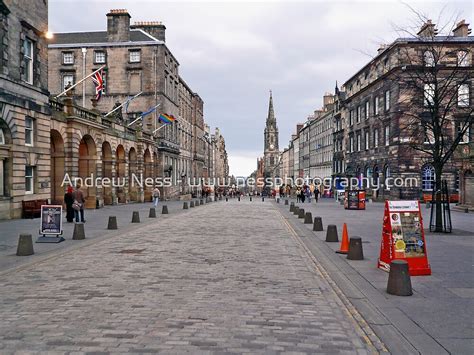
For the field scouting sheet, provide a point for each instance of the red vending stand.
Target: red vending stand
(403, 237)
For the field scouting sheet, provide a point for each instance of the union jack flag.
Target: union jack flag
(99, 82)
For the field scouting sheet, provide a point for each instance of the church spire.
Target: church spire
(271, 113)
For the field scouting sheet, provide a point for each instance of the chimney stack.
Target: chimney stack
(328, 99)
(118, 25)
(428, 30)
(462, 29)
(154, 28)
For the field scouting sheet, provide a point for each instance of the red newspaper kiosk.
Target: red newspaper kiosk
(403, 237)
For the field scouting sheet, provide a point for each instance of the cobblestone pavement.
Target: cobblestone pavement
(228, 277)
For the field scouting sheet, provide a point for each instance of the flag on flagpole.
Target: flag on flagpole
(150, 110)
(98, 79)
(166, 119)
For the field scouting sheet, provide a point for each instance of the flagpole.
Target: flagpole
(80, 81)
(156, 130)
(115, 109)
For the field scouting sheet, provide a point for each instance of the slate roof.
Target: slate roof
(94, 37)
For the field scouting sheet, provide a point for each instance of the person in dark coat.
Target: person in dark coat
(68, 200)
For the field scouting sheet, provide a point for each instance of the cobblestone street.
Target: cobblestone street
(239, 282)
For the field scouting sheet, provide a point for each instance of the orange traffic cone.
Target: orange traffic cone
(345, 241)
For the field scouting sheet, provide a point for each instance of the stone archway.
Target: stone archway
(107, 165)
(87, 167)
(120, 168)
(133, 172)
(57, 168)
(148, 173)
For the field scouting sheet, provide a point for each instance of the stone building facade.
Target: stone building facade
(378, 105)
(220, 161)
(321, 140)
(137, 60)
(24, 110)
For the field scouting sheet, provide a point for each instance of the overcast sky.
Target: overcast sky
(233, 53)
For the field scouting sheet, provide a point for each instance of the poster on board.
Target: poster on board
(403, 237)
(51, 220)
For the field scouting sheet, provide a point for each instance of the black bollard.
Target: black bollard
(191, 204)
(135, 217)
(79, 233)
(25, 245)
(226, 199)
(296, 210)
(201, 202)
(286, 202)
(331, 234)
(292, 208)
(318, 224)
(250, 198)
(301, 213)
(308, 218)
(278, 200)
(164, 210)
(152, 213)
(263, 199)
(355, 249)
(185, 205)
(112, 222)
(399, 282)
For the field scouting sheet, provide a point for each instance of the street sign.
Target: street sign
(403, 237)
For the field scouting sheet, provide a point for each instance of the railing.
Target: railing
(56, 105)
(86, 114)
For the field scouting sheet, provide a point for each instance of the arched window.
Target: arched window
(2, 136)
(387, 175)
(427, 178)
(375, 177)
(429, 59)
(369, 172)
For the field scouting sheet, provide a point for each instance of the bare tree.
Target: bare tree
(434, 78)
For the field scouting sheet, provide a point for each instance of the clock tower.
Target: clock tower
(271, 152)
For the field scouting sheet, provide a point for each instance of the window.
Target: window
(376, 105)
(359, 113)
(358, 142)
(28, 60)
(463, 58)
(68, 79)
(387, 135)
(387, 100)
(466, 137)
(427, 178)
(429, 59)
(29, 131)
(367, 109)
(29, 180)
(429, 92)
(99, 57)
(68, 58)
(463, 95)
(2, 136)
(134, 56)
(367, 140)
(387, 175)
(376, 138)
(351, 143)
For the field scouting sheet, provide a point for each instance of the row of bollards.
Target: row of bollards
(399, 282)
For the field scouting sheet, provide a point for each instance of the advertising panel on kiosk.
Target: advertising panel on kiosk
(403, 237)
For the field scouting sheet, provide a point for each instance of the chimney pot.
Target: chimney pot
(428, 30)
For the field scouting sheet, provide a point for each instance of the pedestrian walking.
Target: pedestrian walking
(78, 205)
(156, 196)
(298, 194)
(316, 194)
(68, 201)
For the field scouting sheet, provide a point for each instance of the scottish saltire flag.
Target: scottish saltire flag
(98, 79)
(150, 110)
(166, 119)
(127, 103)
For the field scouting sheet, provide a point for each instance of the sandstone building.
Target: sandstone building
(24, 107)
